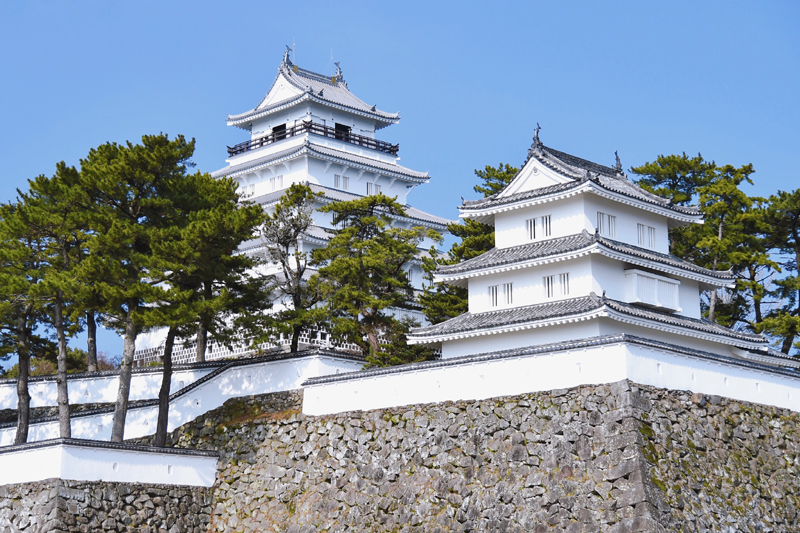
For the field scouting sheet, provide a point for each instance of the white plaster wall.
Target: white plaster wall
(520, 339)
(536, 373)
(566, 218)
(84, 463)
(627, 219)
(470, 381)
(528, 285)
(689, 294)
(243, 380)
(609, 326)
(99, 389)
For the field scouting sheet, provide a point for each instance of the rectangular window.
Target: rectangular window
(647, 235)
(337, 181)
(606, 224)
(564, 282)
(507, 293)
(549, 286)
(493, 295)
(369, 189)
(538, 228)
(556, 285)
(345, 183)
(377, 189)
(276, 182)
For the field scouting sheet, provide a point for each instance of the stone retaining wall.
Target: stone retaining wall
(617, 458)
(65, 506)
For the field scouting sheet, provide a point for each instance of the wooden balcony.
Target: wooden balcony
(316, 129)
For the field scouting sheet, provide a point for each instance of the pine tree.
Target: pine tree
(364, 276)
(21, 312)
(52, 209)
(783, 217)
(282, 234)
(128, 188)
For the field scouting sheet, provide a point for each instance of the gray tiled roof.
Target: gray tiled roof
(681, 321)
(326, 153)
(319, 88)
(517, 315)
(573, 306)
(549, 349)
(580, 171)
(540, 249)
(337, 195)
(368, 161)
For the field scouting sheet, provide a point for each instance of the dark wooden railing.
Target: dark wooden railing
(316, 129)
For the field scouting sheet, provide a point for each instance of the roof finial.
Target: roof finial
(338, 70)
(286, 59)
(536, 134)
(618, 164)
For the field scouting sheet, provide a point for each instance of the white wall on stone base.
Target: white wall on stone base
(242, 380)
(99, 389)
(475, 380)
(87, 463)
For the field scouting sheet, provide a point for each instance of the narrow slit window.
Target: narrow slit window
(508, 298)
(369, 189)
(538, 228)
(493, 295)
(564, 282)
(606, 224)
(549, 286)
(647, 235)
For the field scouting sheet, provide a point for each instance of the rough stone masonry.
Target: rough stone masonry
(619, 457)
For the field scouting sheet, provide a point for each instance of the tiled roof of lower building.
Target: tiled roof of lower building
(573, 307)
(572, 243)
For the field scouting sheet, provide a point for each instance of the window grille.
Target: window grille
(493, 295)
(606, 224)
(647, 235)
(337, 181)
(538, 228)
(508, 293)
(564, 282)
(549, 286)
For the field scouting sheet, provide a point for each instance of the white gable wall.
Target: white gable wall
(566, 218)
(627, 219)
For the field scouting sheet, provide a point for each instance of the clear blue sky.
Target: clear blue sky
(470, 79)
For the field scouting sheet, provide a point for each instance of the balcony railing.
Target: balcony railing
(316, 129)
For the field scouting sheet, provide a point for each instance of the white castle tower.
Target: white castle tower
(580, 289)
(310, 129)
(580, 252)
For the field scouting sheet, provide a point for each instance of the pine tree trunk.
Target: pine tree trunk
(91, 342)
(202, 342)
(296, 331)
(62, 398)
(125, 371)
(23, 397)
(163, 394)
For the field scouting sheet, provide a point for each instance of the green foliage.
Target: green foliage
(396, 350)
(365, 267)
(676, 177)
(282, 234)
(783, 219)
(441, 301)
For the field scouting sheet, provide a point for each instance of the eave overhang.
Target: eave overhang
(486, 214)
(592, 247)
(603, 308)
